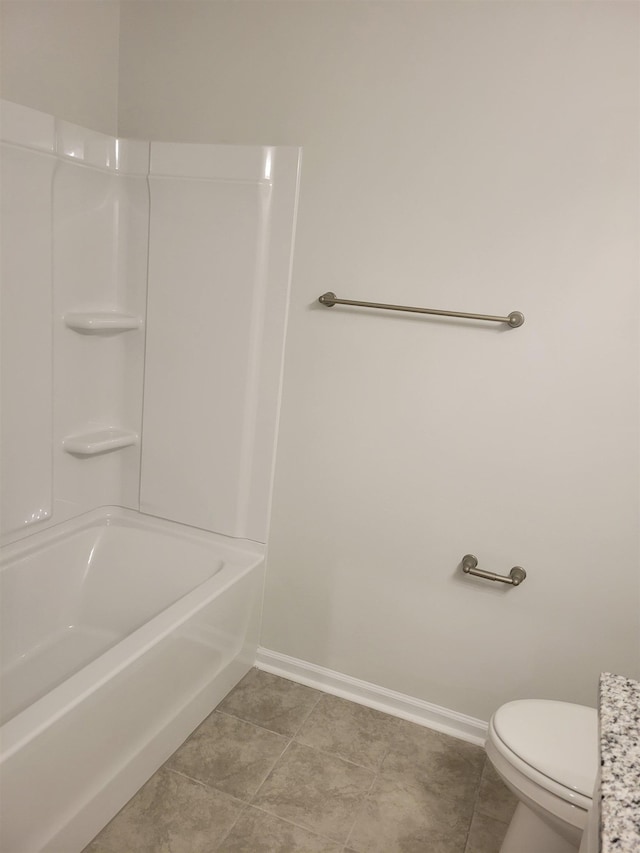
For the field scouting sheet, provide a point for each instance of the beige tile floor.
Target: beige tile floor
(281, 768)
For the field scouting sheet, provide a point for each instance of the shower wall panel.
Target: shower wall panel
(75, 210)
(100, 217)
(79, 225)
(26, 462)
(221, 238)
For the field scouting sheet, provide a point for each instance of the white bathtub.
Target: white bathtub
(120, 633)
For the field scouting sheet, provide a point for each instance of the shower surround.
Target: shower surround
(145, 290)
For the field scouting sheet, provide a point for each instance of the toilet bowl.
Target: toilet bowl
(547, 754)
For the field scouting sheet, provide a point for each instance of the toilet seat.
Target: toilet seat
(553, 744)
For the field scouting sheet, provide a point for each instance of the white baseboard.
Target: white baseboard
(374, 696)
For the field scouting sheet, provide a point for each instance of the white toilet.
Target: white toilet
(547, 753)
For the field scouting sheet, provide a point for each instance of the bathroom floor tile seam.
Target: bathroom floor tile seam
(294, 739)
(260, 755)
(300, 826)
(297, 731)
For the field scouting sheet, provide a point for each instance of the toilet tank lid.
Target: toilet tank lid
(558, 739)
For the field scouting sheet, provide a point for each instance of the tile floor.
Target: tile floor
(282, 768)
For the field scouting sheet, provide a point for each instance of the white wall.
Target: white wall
(61, 57)
(480, 157)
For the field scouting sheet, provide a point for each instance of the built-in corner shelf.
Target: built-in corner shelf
(102, 322)
(99, 441)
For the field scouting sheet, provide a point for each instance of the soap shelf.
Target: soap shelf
(99, 441)
(101, 322)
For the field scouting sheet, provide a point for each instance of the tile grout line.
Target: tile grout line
(475, 803)
(269, 773)
(360, 809)
(293, 740)
(311, 710)
(298, 825)
(243, 810)
(249, 722)
(338, 755)
(246, 804)
(243, 803)
(249, 802)
(198, 782)
(265, 728)
(220, 790)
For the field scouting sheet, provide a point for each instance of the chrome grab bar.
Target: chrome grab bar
(515, 319)
(470, 567)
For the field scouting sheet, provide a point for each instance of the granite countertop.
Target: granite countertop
(620, 764)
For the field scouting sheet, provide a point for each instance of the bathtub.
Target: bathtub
(120, 634)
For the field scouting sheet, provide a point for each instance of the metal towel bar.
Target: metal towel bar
(470, 567)
(514, 319)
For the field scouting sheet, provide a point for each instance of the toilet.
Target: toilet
(547, 753)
